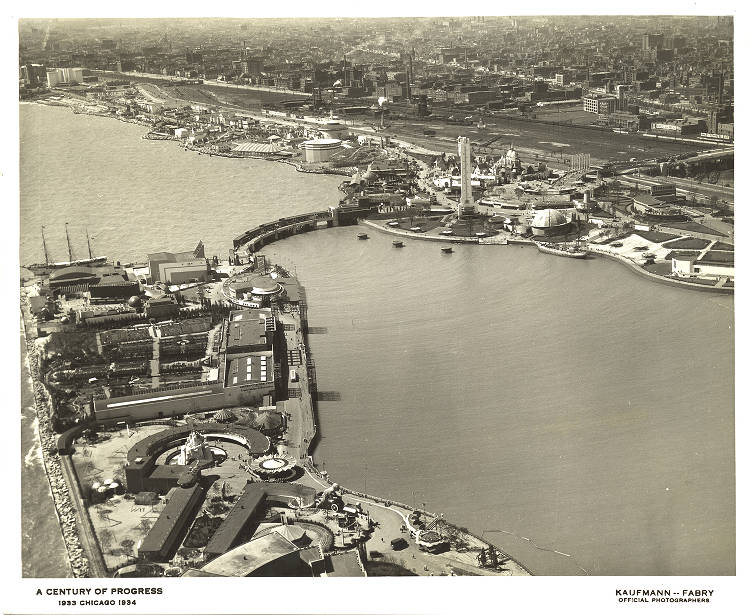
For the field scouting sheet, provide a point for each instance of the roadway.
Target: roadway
(554, 143)
(702, 192)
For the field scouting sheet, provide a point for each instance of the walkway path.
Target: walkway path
(301, 421)
(154, 363)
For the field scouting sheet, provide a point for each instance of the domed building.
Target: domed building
(549, 222)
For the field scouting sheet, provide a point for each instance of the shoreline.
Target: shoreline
(81, 543)
(75, 547)
(634, 267)
(348, 171)
(77, 560)
(344, 171)
(83, 554)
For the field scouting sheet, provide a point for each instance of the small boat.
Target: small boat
(398, 244)
(446, 250)
(361, 235)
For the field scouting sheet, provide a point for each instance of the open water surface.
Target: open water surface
(577, 415)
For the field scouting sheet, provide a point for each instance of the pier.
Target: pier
(264, 234)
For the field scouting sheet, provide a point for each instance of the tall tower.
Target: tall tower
(466, 204)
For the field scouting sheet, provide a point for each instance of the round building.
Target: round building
(320, 150)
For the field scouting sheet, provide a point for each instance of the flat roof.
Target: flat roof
(347, 564)
(168, 257)
(246, 332)
(246, 506)
(250, 556)
(321, 142)
(648, 200)
(237, 519)
(167, 471)
(171, 518)
(250, 368)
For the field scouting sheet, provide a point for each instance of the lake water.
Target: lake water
(577, 415)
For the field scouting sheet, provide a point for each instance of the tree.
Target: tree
(106, 538)
(482, 558)
(127, 546)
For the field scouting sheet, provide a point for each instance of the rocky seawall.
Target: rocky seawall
(64, 509)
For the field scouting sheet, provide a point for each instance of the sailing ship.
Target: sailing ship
(571, 251)
(47, 267)
(576, 250)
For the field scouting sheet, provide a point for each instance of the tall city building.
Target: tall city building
(466, 204)
(652, 41)
(56, 76)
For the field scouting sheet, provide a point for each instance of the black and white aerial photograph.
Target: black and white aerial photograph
(378, 297)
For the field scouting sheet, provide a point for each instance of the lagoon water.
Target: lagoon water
(573, 413)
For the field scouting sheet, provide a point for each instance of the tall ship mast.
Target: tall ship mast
(47, 267)
(44, 245)
(88, 242)
(70, 249)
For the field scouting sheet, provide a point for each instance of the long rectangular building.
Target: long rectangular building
(238, 521)
(165, 535)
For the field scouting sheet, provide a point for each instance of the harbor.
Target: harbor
(349, 237)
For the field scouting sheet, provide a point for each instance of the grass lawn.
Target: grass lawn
(687, 243)
(655, 236)
(694, 227)
(659, 268)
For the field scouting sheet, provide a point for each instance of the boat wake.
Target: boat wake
(540, 548)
